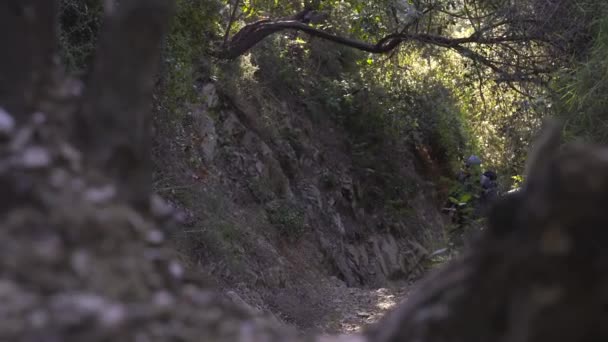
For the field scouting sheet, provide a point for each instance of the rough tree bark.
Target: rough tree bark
(539, 273)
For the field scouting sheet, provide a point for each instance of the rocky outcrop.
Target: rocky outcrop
(310, 171)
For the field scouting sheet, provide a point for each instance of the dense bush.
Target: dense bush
(583, 102)
(417, 96)
(288, 219)
(80, 21)
(193, 26)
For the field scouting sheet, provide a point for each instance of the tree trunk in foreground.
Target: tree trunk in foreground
(79, 263)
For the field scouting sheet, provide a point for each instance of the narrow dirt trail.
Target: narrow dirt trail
(355, 308)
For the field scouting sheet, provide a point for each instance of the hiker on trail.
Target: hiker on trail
(469, 175)
(475, 193)
(472, 172)
(489, 185)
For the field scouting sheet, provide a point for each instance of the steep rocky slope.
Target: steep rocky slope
(277, 211)
(282, 205)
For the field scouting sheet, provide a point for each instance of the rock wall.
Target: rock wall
(294, 199)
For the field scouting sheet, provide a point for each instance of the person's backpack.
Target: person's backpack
(488, 180)
(490, 174)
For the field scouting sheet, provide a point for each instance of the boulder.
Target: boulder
(205, 129)
(209, 96)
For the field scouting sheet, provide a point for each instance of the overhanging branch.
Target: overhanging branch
(252, 34)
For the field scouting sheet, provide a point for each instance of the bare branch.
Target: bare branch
(231, 20)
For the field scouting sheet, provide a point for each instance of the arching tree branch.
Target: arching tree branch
(253, 33)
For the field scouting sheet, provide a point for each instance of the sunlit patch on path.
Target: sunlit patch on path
(357, 308)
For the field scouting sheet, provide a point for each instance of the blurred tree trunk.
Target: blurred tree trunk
(112, 125)
(27, 35)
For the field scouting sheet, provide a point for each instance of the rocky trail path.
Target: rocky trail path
(355, 308)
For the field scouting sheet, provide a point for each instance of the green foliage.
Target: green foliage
(79, 24)
(261, 190)
(518, 181)
(287, 217)
(228, 231)
(584, 105)
(444, 124)
(385, 109)
(420, 95)
(194, 23)
(461, 198)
